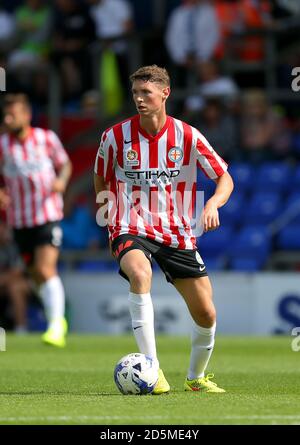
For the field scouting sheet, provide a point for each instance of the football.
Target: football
(135, 374)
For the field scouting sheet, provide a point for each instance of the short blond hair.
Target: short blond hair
(152, 73)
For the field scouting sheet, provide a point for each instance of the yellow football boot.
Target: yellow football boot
(56, 333)
(162, 386)
(203, 384)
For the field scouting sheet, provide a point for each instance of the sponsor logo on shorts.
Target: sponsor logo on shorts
(56, 236)
(200, 261)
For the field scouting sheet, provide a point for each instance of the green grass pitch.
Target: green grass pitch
(42, 385)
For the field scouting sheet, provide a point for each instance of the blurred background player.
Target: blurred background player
(143, 162)
(36, 171)
(13, 285)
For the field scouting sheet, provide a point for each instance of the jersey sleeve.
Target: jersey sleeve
(208, 160)
(105, 158)
(56, 150)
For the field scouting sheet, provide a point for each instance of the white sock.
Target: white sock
(203, 340)
(53, 298)
(142, 318)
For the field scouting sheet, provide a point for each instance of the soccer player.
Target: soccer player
(140, 163)
(36, 171)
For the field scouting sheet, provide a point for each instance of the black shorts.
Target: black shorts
(175, 263)
(29, 238)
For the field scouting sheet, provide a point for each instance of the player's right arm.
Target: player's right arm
(103, 172)
(104, 166)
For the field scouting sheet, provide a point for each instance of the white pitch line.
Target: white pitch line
(111, 418)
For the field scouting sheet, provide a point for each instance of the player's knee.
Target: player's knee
(140, 276)
(207, 317)
(43, 273)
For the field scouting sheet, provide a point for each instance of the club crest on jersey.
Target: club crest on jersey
(132, 157)
(175, 154)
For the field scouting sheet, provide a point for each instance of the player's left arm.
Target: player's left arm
(215, 168)
(62, 178)
(222, 193)
(61, 161)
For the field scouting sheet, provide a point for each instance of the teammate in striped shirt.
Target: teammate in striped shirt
(147, 168)
(36, 170)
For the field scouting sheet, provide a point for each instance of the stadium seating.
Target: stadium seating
(243, 175)
(246, 264)
(293, 207)
(288, 238)
(294, 180)
(215, 242)
(80, 230)
(251, 246)
(272, 177)
(233, 211)
(263, 208)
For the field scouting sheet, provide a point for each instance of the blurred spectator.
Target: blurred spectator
(211, 83)
(230, 22)
(114, 21)
(74, 30)
(7, 30)
(256, 14)
(264, 134)
(218, 127)
(236, 16)
(33, 27)
(13, 284)
(27, 61)
(192, 35)
(285, 8)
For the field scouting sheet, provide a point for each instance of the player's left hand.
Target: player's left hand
(210, 216)
(59, 185)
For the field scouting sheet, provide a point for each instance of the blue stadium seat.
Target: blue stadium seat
(263, 208)
(252, 242)
(215, 243)
(214, 264)
(293, 205)
(233, 211)
(243, 175)
(97, 266)
(294, 180)
(288, 238)
(246, 264)
(272, 177)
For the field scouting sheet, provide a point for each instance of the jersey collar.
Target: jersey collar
(158, 135)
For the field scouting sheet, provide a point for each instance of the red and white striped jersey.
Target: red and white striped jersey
(149, 176)
(29, 169)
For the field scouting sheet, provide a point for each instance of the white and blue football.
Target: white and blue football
(135, 374)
